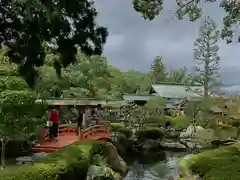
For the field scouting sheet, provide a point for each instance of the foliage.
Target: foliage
(217, 164)
(180, 122)
(116, 126)
(178, 76)
(155, 104)
(206, 55)
(89, 74)
(150, 133)
(193, 9)
(70, 162)
(28, 27)
(158, 120)
(87, 77)
(126, 131)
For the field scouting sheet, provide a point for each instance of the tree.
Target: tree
(158, 72)
(206, 55)
(152, 8)
(178, 75)
(27, 27)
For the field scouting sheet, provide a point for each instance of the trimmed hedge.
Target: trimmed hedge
(150, 133)
(69, 163)
(180, 122)
(219, 164)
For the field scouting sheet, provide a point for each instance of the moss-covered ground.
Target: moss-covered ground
(66, 163)
(219, 164)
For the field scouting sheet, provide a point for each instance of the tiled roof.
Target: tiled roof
(177, 90)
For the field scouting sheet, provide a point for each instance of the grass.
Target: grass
(219, 164)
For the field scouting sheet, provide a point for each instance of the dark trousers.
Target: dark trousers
(53, 131)
(78, 128)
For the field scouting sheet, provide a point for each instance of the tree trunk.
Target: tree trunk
(3, 162)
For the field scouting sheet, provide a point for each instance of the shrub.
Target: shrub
(219, 164)
(150, 133)
(158, 120)
(180, 122)
(126, 131)
(69, 163)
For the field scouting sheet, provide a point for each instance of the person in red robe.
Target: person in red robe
(54, 119)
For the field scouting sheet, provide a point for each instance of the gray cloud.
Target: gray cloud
(133, 42)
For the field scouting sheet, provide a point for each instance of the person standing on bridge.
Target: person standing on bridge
(54, 119)
(99, 114)
(87, 117)
(80, 116)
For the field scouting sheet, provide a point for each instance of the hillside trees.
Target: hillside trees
(206, 55)
(192, 8)
(63, 26)
(88, 76)
(158, 70)
(181, 75)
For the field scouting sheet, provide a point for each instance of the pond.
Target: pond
(163, 170)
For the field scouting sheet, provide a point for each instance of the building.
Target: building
(176, 93)
(173, 94)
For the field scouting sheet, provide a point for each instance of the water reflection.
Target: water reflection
(161, 170)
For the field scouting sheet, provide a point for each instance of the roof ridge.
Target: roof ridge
(169, 83)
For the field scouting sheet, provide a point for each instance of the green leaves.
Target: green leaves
(27, 27)
(17, 97)
(148, 8)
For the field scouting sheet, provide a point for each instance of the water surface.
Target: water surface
(161, 170)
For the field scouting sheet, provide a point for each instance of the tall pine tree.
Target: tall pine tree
(158, 71)
(206, 56)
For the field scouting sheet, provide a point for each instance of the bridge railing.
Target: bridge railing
(94, 132)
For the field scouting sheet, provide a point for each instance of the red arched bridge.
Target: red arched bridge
(67, 135)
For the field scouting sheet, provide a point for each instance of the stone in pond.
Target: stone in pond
(100, 173)
(40, 155)
(24, 159)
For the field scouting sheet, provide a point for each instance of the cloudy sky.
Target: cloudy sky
(133, 42)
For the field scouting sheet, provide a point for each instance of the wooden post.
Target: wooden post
(81, 136)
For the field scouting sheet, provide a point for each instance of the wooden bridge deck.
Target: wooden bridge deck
(68, 136)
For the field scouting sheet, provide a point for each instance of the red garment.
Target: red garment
(54, 116)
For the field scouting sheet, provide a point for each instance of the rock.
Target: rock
(114, 160)
(191, 131)
(37, 156)
(188, 133)
(101, 173)
(149, 146)
(192, 144)
(173, 146)
(171, 134)
(24, 159)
